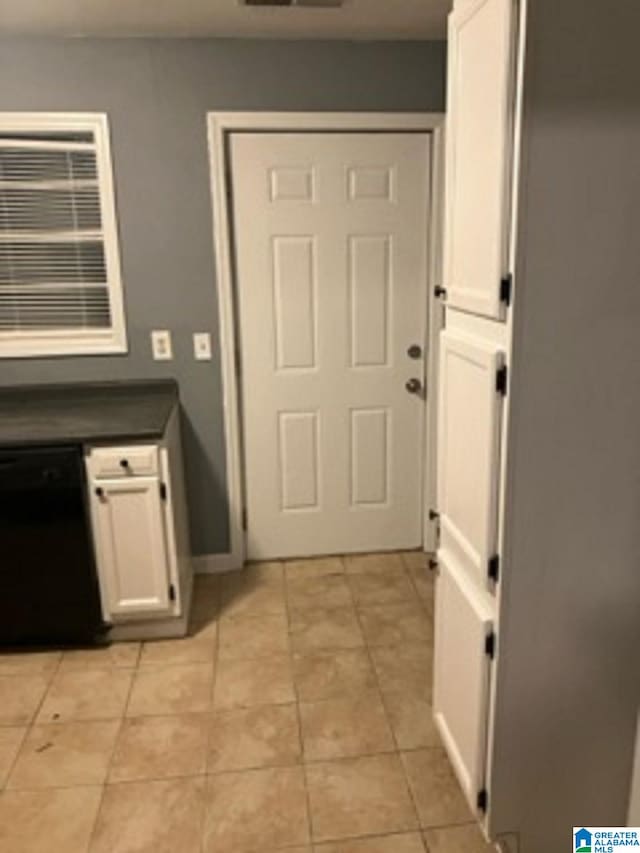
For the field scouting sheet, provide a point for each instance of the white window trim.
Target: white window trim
(51, 343)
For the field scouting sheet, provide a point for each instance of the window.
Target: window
(60, 288)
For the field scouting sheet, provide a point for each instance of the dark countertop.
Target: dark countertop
(86, 412)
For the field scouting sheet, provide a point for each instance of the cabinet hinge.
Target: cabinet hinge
(434, 515)
(490, 645)
(506, 286)
(493, 568)
(440, 292)
(245, 521)
(172, 592)
(483, 800)
(502, 377)
(163, 491)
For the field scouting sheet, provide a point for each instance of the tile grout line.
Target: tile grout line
(207, 774)
(367, 648)
(393, 734)
(12, 765)
(404, 769)
(409, 571)
(394, 834)
(297, 706)
(207, 785)
(103, 788)
(29, 725)
(288, 654)
(45, 693)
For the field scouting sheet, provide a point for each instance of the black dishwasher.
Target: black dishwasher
(48, 583)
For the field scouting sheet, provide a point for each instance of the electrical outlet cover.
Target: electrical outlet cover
(202, 346)
(161, 345)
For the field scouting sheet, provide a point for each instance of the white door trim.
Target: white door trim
(219, 126)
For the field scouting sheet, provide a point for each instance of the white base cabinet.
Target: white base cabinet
(130, 539)
(141, 538)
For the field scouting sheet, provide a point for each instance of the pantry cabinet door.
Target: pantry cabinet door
(131, 546)
(481, 87)
(469, 428)
(463, 622)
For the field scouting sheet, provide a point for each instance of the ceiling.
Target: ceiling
(357, 19)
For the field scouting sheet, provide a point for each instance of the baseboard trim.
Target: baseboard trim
(212, 564)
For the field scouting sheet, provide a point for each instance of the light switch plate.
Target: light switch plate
(202, 346)
(161, 345)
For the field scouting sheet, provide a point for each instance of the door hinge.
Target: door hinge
(435, 517)
(483, 800)
(245, 520)
(490, 645)
(502, 376)
(493, 568)
(506, 286)
(163, 491)
(440, 292)
(172, 592)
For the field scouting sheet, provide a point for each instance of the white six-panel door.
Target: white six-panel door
(479, 154)
(469, 424)
(331, 248)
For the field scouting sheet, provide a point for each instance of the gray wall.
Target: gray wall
(569, 668)
(156, 93)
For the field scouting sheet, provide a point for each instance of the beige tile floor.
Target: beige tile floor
(295, 717)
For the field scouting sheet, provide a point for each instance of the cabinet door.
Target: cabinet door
(131, 546)
(481, 87)
(469, 414)
(463, 621)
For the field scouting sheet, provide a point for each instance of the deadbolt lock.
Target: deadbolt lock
(415, 351)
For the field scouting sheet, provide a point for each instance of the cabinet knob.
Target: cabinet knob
(124, 463)
(100, 492)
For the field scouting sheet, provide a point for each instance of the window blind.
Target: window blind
(54, 274)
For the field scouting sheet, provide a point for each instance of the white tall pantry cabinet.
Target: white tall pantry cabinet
(473, 376)
(517, 590)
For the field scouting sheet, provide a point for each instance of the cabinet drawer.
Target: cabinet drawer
(112, 462)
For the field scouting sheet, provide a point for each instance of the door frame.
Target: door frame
(220, 125)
